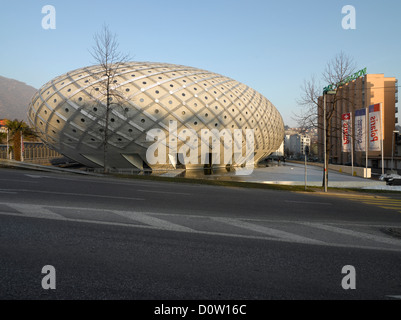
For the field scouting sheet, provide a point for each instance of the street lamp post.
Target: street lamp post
(392, 151)
(324, 143)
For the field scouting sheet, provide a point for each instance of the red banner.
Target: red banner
(346, 132)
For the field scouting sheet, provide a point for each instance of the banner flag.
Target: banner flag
(360, 130)
(375, 135)
(346, 132)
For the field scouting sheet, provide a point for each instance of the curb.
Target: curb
(38, 167)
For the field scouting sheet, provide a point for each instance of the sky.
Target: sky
(271, 46)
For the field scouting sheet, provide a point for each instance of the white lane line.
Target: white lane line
(394, 297)
(7, 192)
(17, 180)
(361, 235)
(35, 211)
(309, 202)
(35, 176)
(152, 221)
(132, 183)
(72, 194)
(268, 231)
(166, 192)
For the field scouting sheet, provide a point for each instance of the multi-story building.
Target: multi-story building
(361, 93)
(296, 144)
(279, 152)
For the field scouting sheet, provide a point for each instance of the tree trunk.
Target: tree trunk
(106, 127)
(17, 146)
(327, 151)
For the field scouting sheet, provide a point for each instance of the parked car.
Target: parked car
(391, 179)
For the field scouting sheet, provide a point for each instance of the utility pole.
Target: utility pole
(392, 151)
(325, 142)
(352, 149)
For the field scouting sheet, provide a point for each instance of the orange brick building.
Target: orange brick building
(361, 93)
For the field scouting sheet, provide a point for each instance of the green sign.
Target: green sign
(353, 77)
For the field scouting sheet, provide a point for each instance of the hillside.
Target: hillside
(15, 97)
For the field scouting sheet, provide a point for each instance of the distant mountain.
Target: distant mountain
(15, 97)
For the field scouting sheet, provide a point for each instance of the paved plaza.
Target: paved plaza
(294, 174)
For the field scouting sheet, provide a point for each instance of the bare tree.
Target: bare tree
(107, 55)
(337, 71)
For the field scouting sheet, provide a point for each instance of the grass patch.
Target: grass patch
(371, 191)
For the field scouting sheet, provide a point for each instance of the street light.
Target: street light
(392, 151)
(332, 92)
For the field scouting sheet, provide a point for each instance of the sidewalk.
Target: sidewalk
(294, 174)
(285, 174)
(38, 167)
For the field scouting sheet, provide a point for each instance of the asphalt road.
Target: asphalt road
(131, 239)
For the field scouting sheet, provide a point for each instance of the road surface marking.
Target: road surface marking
(166, 192)
(309, 202)
(220, 234)
(267, 231)
(17, 180)
(73, 194)
(35, 211)
(361, 235)
(382, 201)
(388, 204)
(378, 201)
(35, 176)
(152, 221)
(8, 192)
(390, 208)
(394, 297)
(353, 197)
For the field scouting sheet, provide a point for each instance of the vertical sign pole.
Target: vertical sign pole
(8, 147)
(382, 159)
(305, 173)
(352, 145)
(392, 152)
(324, 142)
(382, 135)
(367, 141)
(22, 148)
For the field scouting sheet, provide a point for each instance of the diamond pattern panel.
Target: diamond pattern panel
(69, 112)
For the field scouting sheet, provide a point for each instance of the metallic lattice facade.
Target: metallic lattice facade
(69, 112)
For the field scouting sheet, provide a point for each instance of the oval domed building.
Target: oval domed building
(69, 114)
